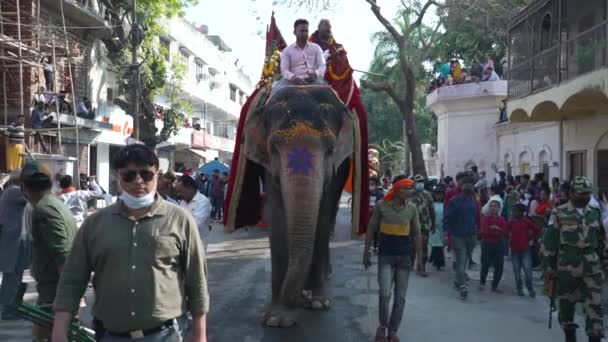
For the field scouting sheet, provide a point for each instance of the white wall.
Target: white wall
(466, 117)
(532, 141)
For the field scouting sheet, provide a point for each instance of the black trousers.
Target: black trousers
(492, 255)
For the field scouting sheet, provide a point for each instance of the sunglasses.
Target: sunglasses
(131, 175)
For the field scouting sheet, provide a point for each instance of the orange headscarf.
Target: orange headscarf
(404, 183)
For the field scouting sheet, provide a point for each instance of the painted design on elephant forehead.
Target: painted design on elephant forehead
(301, 130)
(300, 161)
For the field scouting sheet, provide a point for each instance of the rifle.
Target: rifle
(552, 294)
(34, 314)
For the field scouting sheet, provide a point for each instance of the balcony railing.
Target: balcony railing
(583, 53)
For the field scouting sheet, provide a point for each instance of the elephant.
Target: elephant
(303, 138)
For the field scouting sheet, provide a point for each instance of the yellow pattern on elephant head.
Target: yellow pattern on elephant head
(301, 130)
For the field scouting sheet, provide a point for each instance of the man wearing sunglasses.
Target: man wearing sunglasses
(148, 261)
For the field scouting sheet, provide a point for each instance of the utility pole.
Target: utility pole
(136, 38)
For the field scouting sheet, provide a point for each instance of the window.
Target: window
(165, 48)
(109, 95)
(232, 93)
(241, 98)
(185, 56)
(545, 32)
(602, 171)
(578, 161)
(199, 70)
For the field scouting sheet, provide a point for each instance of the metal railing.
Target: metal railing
(584, 52)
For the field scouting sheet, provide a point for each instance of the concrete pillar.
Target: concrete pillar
(103, 165)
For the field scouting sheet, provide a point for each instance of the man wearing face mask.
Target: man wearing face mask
(574, 256)
(461, 219)
(423, 200)
(148, 261)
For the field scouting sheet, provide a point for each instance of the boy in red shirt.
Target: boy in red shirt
(493, 229)
(521, 231)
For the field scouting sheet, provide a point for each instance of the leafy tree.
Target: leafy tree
(476, 28)
(387, 62)
(152, 66)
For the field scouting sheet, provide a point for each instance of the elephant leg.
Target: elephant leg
(321, 267)
(276, 314)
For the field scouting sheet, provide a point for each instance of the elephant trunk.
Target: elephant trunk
(302, 194)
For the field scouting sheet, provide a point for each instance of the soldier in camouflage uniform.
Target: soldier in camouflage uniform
(574, 250)
(423, 200)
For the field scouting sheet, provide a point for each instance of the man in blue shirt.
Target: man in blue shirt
(461, 220)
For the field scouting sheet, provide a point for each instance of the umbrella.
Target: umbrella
(213, 165)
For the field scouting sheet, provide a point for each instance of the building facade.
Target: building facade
(558, 94)
(214, 86)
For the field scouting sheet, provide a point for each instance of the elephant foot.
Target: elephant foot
(278, 316)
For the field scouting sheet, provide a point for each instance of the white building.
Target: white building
(558, 95)
(466, 116)
(556, 119)
(216, 89)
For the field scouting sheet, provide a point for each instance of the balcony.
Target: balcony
(86, 13)
(583, 53)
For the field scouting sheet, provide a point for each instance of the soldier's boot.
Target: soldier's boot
(570, 335)
(595, 339)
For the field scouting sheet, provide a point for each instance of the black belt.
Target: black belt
(136, 334)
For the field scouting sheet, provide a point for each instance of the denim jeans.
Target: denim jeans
(492, 255)
(393, 271)
(217, 205)
(522, 259)
(463, 248)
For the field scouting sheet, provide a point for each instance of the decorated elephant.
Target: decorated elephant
(301, 144)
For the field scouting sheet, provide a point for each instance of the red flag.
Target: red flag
(274, 45)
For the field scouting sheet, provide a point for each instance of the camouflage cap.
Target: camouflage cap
(34, 171)
(581, 185)
(418, 178)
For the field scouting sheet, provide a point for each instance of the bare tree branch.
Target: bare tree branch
(426, 46)
(385, 87)
(399, 38)
(421, 15)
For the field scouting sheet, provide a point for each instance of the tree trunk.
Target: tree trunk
(406, 152)
(406, 107)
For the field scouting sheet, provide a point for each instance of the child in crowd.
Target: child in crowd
(437, 257)
(522, 231)
(493, 229)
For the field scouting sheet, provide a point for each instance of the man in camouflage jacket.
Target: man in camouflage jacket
(574, 255)
(423, 200)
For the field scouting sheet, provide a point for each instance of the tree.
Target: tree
(391, 153)
(400, 54)
(476, 28)
(152, 66)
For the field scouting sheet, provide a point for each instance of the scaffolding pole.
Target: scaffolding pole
(21, 105)
(4, 94)
(72, 85)
(54, 82)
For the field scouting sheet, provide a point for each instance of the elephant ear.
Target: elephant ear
(255, 144)
(345, 139)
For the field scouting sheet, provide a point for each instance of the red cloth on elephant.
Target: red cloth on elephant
(339, 75)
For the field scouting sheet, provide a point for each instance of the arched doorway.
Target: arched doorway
(602, 165)
(524, 163)
(543, 164)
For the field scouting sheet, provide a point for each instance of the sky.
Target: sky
(242, 25)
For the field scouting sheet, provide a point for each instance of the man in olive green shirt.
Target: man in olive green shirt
(148, 261)
(53, 230)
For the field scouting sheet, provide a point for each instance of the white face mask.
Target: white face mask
(133, 202)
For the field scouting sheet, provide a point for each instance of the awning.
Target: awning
(200, 153)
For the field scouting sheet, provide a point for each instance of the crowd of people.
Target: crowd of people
(415, 222)
(56, 234)
(453, 73)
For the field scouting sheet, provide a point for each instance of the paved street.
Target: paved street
(239, 281)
